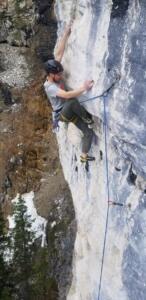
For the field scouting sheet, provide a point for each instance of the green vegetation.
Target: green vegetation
(24, 273)
(23, 250)
(4, 266)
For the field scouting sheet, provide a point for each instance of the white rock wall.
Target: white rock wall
(99, 41)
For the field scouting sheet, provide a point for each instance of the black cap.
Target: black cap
(53, 66)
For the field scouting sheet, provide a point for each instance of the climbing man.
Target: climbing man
(66, 107)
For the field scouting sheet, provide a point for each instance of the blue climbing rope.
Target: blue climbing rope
(104, 94)
(108, 195)
(105, 127)
(92, 98)
(107, 178)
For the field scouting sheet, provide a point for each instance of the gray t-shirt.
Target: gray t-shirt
(51, 89)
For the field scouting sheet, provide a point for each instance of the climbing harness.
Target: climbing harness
(55, 126)
(55, 119)
(65, 119)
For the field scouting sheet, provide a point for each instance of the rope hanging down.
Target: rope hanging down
(108, 194)
(108, 191)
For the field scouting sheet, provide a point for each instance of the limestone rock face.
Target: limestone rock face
(17, 21)
(107, 38)
(27, 31)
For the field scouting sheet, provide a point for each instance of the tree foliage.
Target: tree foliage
(25, 276)
(23, 250)
(5, 286)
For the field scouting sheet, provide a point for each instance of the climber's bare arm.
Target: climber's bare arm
(77, 92)
(59, 51)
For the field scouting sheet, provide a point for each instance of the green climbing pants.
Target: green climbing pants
(73, 112)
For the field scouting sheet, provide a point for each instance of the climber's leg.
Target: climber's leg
(87, 140)
(81, 112)
(72, 109)
(67, 114)
(74, 112)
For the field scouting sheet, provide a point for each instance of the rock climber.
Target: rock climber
(66, 107)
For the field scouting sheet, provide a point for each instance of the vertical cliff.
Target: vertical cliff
(108, 37)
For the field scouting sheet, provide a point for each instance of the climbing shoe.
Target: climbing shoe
(87, 158)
